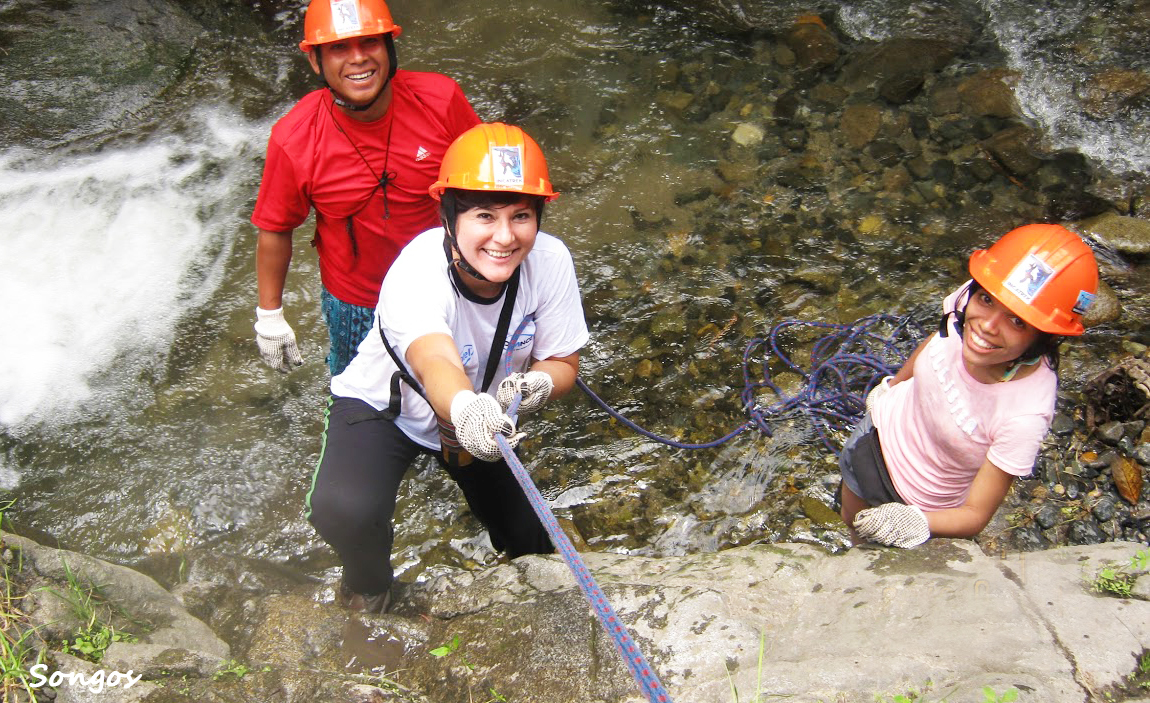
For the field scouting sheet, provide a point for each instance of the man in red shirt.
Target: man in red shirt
(362, 153)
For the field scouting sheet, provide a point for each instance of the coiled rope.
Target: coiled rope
(846, 364)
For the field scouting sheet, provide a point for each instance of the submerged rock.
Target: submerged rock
(1128, 235)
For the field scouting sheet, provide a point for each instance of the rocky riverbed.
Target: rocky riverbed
(901, 154)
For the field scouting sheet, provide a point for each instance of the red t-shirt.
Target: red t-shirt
(316, 158)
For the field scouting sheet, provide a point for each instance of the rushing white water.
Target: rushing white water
(1061, 55)
(1077, 62)
(97, 258)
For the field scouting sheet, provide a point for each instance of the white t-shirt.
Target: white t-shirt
(419, 297)
(937, 428)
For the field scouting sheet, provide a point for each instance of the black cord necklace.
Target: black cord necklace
(382, 180)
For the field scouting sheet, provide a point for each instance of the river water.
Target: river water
(136, 418)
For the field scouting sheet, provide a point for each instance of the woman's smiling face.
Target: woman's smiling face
(993, 337)
(495, 239)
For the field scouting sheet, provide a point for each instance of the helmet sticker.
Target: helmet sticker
(345, 16)
(508, 166)
(1028, 278)
(1083, 303)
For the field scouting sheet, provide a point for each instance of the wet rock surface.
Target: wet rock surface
(1090, 481)
(762, 620)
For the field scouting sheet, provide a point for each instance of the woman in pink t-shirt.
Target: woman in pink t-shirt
(942, 440)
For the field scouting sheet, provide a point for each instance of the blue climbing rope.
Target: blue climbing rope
(642, 672)
(846, 363)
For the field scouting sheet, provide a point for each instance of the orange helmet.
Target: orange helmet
(1045, 274)
(494, 156)
(332, 20)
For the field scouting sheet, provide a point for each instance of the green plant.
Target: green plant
(911, 696)
(4, 511)
(18, 656)
(453, 647)
(1141, 677)
(235, 668)
(93, 637)
(446, 649)
(1140, 560)
(1119, 580)
(1113, 580)
(990, 696)
(759, 681)
(91, 643)
(18, 650)
(914, 695)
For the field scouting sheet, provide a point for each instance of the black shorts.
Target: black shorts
(863, 467)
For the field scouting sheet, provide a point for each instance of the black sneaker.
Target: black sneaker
(370, 603)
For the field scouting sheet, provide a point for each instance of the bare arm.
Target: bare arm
(561, 369)
(273, 254)
(986, 494)
(907, 369)
(434, 360)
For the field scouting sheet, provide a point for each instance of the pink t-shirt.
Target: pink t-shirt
(937, 428)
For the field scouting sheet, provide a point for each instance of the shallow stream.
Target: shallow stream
(137, 420)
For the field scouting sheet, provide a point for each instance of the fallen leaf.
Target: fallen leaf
(1127, 475)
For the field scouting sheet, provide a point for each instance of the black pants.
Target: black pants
(352, 499)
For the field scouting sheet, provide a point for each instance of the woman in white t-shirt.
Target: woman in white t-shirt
(942, 440)
(432, 377)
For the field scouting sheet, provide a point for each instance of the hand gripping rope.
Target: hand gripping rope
(642, 672)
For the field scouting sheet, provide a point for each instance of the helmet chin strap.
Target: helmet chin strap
(353, 107)
(450, 243)
(959, 315)
(466, 267)
(461, 263)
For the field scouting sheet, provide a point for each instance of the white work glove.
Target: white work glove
(877, 392)
(893, 524)
(534, 386)
(276, 340)
(477, 417)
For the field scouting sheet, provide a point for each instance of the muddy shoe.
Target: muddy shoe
(362, 602)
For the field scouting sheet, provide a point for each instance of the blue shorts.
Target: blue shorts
(347, 326)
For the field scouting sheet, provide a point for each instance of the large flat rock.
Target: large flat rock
(793, 622)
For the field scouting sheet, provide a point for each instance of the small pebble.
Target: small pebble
(1104, 510)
